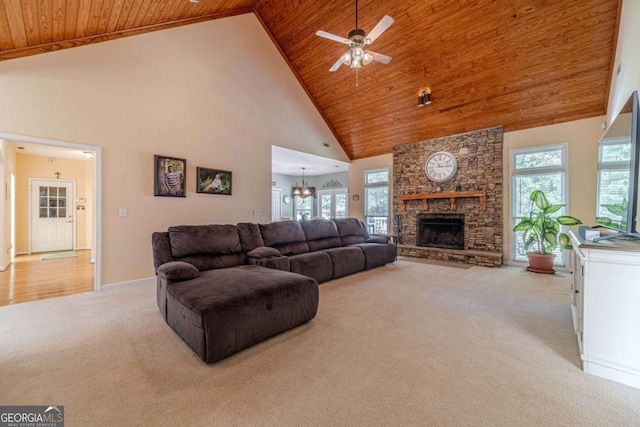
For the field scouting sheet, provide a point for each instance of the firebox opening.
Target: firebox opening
(440, 230)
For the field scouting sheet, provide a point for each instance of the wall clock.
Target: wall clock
(286, 199)
(441, 166)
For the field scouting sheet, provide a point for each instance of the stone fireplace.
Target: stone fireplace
(440, 231)
(467, 208)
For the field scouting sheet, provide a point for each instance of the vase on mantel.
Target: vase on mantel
(540, 263)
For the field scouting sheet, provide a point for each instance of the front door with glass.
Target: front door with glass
(51, 215)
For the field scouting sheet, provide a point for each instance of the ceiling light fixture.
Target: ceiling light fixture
(303, 191)
(356, 57)
(424, 98)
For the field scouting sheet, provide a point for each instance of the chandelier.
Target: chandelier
(303, 191)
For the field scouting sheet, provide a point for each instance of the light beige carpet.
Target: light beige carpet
(406, 344)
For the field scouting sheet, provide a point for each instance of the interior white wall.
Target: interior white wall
(627, 58)
(216, 93)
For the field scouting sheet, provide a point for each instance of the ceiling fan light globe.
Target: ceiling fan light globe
(346, 58)
(356, 63)
(367, 58)
(358, 54)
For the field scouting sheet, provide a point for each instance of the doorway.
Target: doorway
(25, 276)
(333, 203)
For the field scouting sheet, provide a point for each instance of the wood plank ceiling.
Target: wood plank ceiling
(515, 63)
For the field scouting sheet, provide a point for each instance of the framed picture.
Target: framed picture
(170, 176)
(213, 181)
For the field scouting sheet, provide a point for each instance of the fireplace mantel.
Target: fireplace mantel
(451, 195)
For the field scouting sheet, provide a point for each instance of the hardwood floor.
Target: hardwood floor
(30, 278)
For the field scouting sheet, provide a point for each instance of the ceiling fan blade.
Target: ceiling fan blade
(332, 37)
(380, 28)
(378, 57)
(336, 65)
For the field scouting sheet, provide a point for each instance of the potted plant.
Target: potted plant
(542, 232)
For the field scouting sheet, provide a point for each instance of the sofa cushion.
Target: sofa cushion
(351, 230)
(346, 260)
(313, 264)
(178, 271)
(250, 237)
(204, 239)
(321, 234)
(224, 311)
(209, 262)
(286, 236)
(377, 254)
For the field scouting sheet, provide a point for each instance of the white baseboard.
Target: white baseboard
(145, 281)
(82, 249)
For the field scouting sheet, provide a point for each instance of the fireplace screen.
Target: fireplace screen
(440, 230)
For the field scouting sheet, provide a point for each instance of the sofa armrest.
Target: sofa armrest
(177, 271)
(268, 257)
(381, 238)
(264, 252)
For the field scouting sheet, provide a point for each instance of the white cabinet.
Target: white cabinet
(605, 304)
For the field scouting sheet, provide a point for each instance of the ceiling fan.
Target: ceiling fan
(356, 56)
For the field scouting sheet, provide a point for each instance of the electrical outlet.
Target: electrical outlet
(257, 212)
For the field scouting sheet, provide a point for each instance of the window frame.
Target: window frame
(562, 168)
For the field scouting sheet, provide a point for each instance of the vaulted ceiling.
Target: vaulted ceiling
(515, 63)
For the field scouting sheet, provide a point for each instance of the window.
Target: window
(542, 168)
(303, 208)
(376, 200)
(614, 163)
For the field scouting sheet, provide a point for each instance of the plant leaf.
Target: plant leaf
(553, 208)
(529, 241)
(524, 225)
(568, 220)
(563, 241)
(550, 238)
(539, 198)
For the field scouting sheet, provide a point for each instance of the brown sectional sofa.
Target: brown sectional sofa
(223, 288)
